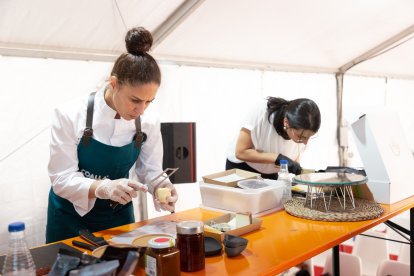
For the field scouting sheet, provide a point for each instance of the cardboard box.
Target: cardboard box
(387, 158)
(230, 177)
(255, 201)
(255, 225)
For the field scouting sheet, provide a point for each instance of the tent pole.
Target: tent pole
(377, 50)
(342, 145)
(174, 20)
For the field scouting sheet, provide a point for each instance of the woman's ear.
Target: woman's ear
(113, 82)
(285, 123)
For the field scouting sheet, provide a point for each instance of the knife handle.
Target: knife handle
(84, 245)
(88, 236)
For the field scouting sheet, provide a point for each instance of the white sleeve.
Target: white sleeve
(255, 115)
(67, 181)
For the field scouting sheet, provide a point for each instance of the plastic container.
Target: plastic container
(284, 176)
(232, 199)
(190, 242)
(18, 260)
(162, 258)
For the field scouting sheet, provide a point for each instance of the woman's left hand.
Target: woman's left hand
(169, 205)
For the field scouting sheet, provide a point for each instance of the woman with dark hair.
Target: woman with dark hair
(96, 140)
(278, 129)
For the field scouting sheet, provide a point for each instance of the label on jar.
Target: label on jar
(150, 266)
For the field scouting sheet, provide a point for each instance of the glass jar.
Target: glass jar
(190, 242)
(162, 258)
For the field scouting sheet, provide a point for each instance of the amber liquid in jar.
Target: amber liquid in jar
(162, 261)
(190, 242)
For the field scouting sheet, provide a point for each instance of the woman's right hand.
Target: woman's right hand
(119, 190)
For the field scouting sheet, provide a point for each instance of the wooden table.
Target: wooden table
(282, 242)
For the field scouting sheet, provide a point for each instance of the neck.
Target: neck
(108, 99)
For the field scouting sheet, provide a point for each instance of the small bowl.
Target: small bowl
(212, 246)
(234, 245)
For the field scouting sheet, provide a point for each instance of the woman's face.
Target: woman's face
(131, 101)
(300, 135)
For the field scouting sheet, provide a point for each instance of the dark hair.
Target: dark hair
(301, 114)
(137, 67)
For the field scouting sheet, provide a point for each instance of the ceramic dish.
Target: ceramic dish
(211, 246)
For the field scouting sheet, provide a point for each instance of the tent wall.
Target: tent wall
(363, 95)
(216, 99)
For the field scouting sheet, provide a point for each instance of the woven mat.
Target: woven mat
(364, 210)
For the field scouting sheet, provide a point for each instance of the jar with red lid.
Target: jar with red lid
(190, 242)
(162, 258)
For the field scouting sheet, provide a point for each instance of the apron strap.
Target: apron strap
(88, 131)
(141, 137)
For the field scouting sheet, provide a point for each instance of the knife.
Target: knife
(88, 236)
(163, 176)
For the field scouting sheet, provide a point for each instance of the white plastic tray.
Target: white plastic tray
(242, 200)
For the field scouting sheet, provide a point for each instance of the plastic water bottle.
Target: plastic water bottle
(283, 176)
(18, 260)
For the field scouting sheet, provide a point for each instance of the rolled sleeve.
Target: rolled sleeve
(67, 181)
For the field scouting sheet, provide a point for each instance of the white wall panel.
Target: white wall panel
(400, 98)
(362, 95)
(216, 100)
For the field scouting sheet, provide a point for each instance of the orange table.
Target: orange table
(282, 242)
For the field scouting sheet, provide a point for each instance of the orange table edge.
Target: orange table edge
(282, 242)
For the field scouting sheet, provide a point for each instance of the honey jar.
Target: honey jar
(190, 242)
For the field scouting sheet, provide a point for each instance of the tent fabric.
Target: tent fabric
(297, 35)
(265, 37)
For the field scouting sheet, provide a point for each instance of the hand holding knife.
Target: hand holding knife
(154, 183)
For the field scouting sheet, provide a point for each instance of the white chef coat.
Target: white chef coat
(265, 139)
(67, 129)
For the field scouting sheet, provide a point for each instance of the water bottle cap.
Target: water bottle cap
(16, 226)
(283, 162)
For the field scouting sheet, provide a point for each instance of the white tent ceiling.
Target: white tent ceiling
(295, 35)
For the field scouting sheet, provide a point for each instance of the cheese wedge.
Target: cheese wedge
(211, 229)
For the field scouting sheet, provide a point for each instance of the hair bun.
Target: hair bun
(138, 41)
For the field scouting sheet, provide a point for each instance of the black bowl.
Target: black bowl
(212, 246)
(234, 241)
(234, 245)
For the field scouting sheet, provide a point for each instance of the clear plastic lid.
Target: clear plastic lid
(252, 184)
(330, 179)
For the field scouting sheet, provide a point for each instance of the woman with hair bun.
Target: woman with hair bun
(277, 129)
(96, 140)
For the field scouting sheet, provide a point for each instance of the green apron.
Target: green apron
(97, 161)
